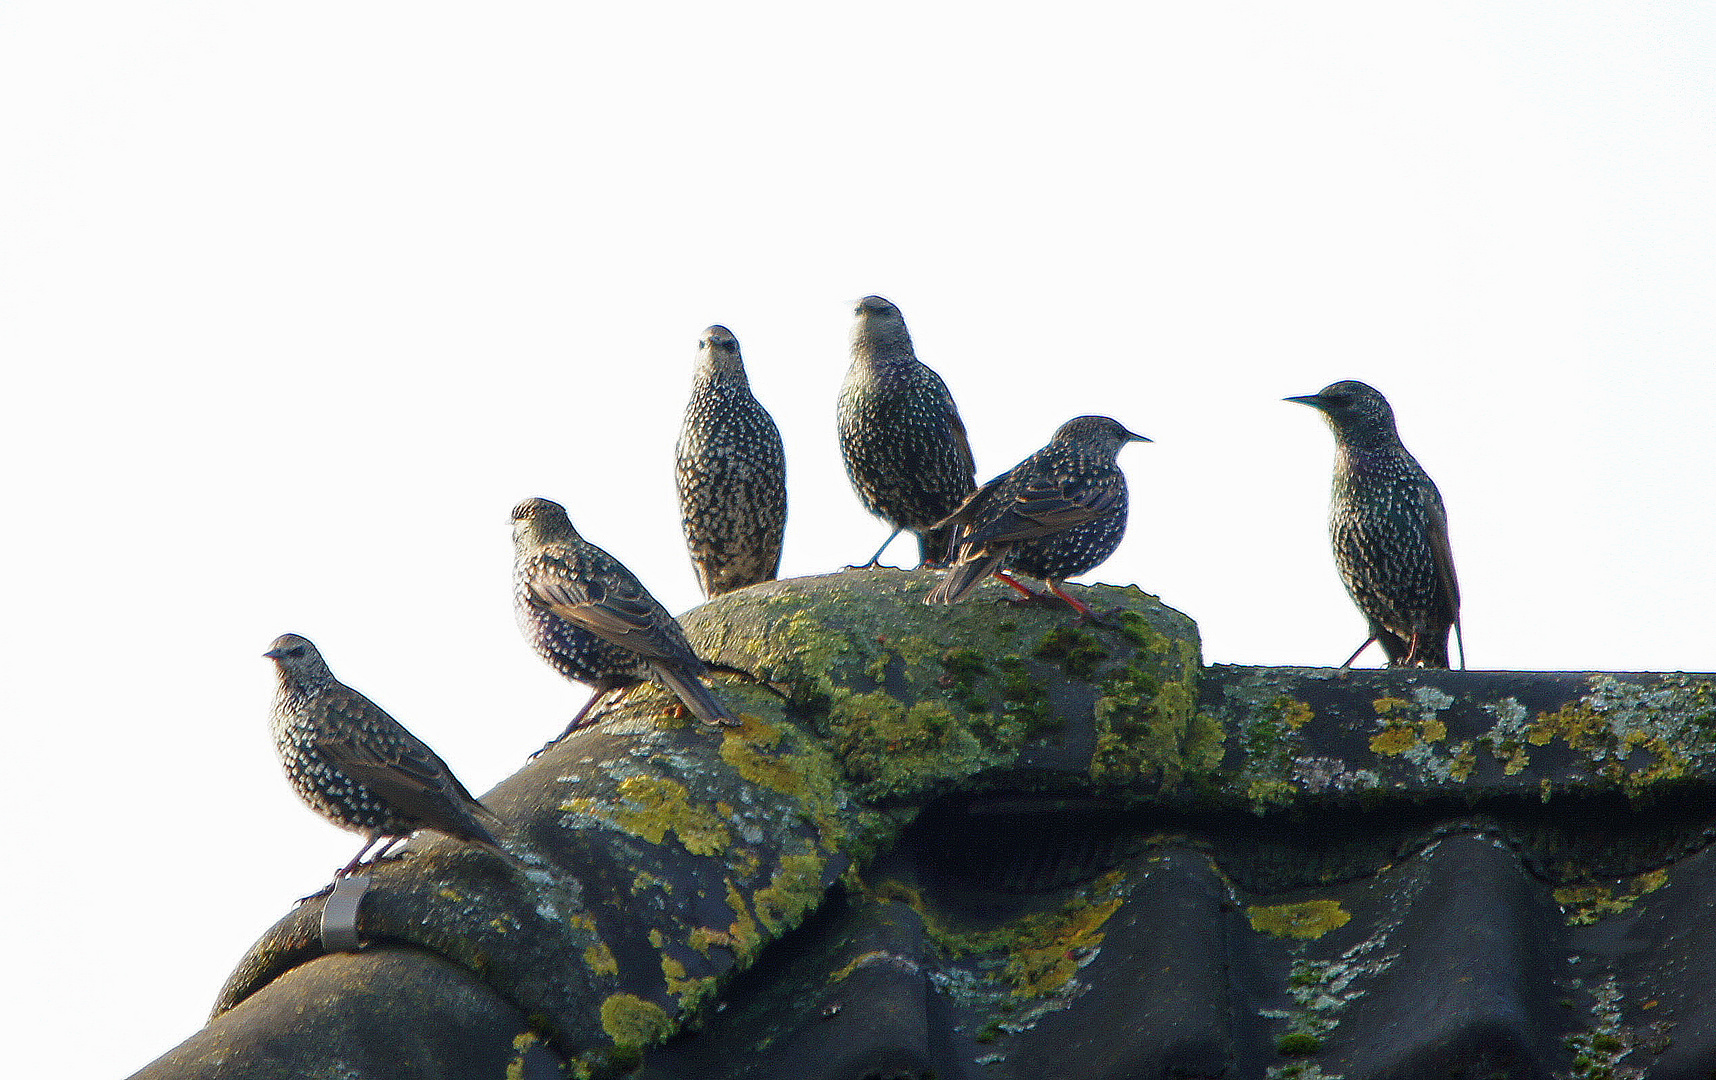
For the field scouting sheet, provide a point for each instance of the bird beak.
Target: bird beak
(1133, 436)
(1313, 400)
(272, 654)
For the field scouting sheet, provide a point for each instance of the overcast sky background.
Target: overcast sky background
(296, 301)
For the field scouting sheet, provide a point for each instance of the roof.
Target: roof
(979, 842)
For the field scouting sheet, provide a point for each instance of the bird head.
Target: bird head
(879, 324)
(296, 657)
(1351, 407)
(1100, 433)
(540, 521)
(718, 354)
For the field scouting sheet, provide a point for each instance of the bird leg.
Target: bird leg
(577, 722)
(1356, 652)
(876, 559)
(1028, 595)
(358, 858)
(1411, 659)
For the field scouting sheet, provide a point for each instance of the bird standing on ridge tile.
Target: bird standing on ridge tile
(593, 622)
(357, 766)
(731, 473)
(1058, 513)
(1390, 531)
(900, 434)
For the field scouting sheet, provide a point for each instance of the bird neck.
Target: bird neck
(722, 373)
(880, 347)
(290, 696)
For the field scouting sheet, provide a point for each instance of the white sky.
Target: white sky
(297, 300)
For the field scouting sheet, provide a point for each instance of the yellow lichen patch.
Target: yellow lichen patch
(859, 961)
(1308, 921)
(1046, 960)
(1295, 714)
(1395, 738)
(795, 888)
(1388, 706)
(704, 938)
(634, 1023)
(655, 805)
(1399, 736)
(1465, 760)
(688, 992)
(522, 1044)
(1578, 725)
(810, 779)
(898, 892)
(1586, 904)
(742, 935)
(601, 959)
(1037, 954)
(657, 938)
(1264, 794)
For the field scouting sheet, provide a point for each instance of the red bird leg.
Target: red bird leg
(1076, 605)
(1412, 650)
(1356, 652)
(1025, 590)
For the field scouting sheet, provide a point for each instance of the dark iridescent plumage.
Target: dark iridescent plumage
(1060, 512)
(1389, 529)
(731, 473)
(900, 434)
(357, 766)
(592, 621)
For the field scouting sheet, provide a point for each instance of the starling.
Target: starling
(357, 766)
(900, 434)
(592, 621)
(1060, 512)
(1389, 530)
(731, 473)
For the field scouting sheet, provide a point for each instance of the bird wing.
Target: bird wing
(1044, 505)
(1436, 534)
(613, 608)
(974, 507)
(961, 442)
(393, 763)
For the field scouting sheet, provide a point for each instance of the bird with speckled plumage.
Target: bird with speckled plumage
(1059, 513)
(357, 766)
(901, 437)
(731, 473)
(1389, 531)
(591, 620)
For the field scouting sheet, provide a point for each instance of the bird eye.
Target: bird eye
(296, 650)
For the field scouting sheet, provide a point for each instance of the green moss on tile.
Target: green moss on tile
(1148, 727)
(1077, 652)
(1298, 1043)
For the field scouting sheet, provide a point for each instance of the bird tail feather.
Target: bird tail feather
(962, 578)
(703, 704)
